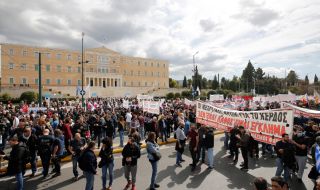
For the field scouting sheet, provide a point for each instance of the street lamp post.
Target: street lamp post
(82, 71)
(195, 70)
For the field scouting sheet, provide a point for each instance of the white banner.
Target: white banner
(298, 111)
(216, 97)
(264, 126)
(36, 109)
(144, 97)
(189, 102)
(125, 104)
(151, 107)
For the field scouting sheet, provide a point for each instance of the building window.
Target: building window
(23, 67)
(36, 54)
(164, 65)
(138, 63)
(91, 70)
(157, 64)
(11, 65)
(24, 81)
(58, 68)
(69, 82)
(48, 68)
(131, 73)
(152, 74)
(48, 55)
(131, 83)
(145, 73)
(69, 69)
(158, 74)
(99, 70)
(79, 82)
(79, 69)
(11, 52)
(139, 83)
(36, 67)
(113, 71)
(36, 81)
(151, 64)
(114, 61)
(138, 73)
(125, 72)
(69, 57)
(47, 81)
(79, 57)
(11, 80)
(145, 83)
(58, 81)
(59, 56)
(145, 63)
(124, 83)
(24, 53)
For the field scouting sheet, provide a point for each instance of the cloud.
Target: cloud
(262, 17)
(207, 25)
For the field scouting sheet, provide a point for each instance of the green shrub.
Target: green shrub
(29, 96)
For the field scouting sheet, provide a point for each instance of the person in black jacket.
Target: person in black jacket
(234, 144)
(130, 153)
(209, 144)
(90, 165)
(45, 143)
(31, 141)
(16, 165)
(107, 162)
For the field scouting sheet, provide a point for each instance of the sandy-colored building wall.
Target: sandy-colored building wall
(61, 71)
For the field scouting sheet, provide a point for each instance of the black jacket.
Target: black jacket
(90, 160)
(31, 143)
(209, 140)
(106, 155)
(16, 159)
(133, 151)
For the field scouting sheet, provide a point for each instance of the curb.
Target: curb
(115, 151)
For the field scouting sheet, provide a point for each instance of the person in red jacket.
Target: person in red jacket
(66, 128)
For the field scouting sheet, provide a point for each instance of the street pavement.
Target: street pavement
(224, 176)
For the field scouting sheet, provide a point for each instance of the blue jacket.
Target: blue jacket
(90, 160)
(152, 148)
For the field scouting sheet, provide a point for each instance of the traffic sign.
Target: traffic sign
(82, 92)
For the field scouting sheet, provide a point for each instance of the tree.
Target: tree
(184, 84)
(315, 81)
(29, 96)
(170, 95)
(196, 79)
(247, 77)
(177, 95)
(215, 83)
(306, 80)
(204, 83)
(172, 83)
(292, 78)
(189, 82)
(259, 74)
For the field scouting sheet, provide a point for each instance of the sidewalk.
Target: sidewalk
(116, 150)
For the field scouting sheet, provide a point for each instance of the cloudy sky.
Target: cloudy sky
(276, 35)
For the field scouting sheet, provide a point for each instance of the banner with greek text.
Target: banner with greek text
(125, 104)
(151, 107)
(265, 126)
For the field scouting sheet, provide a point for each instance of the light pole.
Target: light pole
(195, 70)
(82, 72)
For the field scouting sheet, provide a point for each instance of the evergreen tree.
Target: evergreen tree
(292, 78)
(315, 79)
(306, 80)
(184, 84)
(247, 77)
(215, 83)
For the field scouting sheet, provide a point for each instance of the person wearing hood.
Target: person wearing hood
(154, 157)
(31, 141)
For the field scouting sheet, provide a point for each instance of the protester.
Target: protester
(209, 144)
(88, 163)
(154, 157)
(244, 143)
(193, 145)
(121, 127)
(58, 151)
(260, 184)
(76, 146)
(106, 162)
(31, 141)
(181, 140)
(234, 144)
(16, 165)
(201, 153)
(278, 183)
(131, 154)
(283, 161)
(45, 143)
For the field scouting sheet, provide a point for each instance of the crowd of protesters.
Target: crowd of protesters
(65, 128)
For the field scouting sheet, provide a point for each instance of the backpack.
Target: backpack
(81, 160)
(26, 154)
